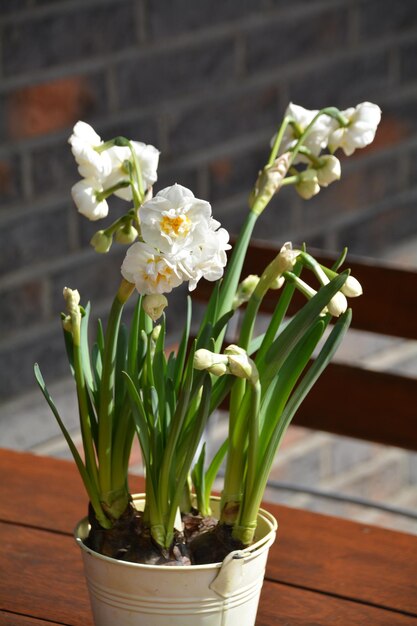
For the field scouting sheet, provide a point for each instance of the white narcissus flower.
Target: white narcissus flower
(318, 137)
(329, 170)
(148, 158)
(175, 220)
(84, 141)
(150, 271)
(363, 121)
(208, 259)
(86, 196)
(308, 185)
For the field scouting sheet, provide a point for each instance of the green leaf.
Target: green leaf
(88, 481)
(140, 419)
(285, 342)
(213, 470)
(182, 349)
(281, 389)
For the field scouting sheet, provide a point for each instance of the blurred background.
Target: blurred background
(207, 83)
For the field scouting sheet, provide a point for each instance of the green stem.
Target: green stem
(278, 140)
(106, 406)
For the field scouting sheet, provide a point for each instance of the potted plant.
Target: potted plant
(176, 554)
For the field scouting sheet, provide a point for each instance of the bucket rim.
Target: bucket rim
(250, 552)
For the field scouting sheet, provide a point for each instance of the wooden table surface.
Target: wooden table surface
(321, 570)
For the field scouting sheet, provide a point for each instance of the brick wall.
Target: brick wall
(206, 82)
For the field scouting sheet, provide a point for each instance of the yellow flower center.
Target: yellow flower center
(175, 226)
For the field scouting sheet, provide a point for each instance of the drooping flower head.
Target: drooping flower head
(86, 195)
(84, 141)
(363, 121)
(147, 157)
(316, 140)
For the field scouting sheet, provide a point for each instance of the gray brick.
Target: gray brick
(186, 176)
(219, 120)
(371, 235)
(38, 237)
(22, 306)
(97, 278)
(286, 41)
(16, 362)
(357, 189)
(67, 37)
(409, 62)
(142, 128)
(174, 73)
(54, 170)
(10, 180)
(384, 16)
(342, 83)
(13, 6)
(235, 173)
(167, 18)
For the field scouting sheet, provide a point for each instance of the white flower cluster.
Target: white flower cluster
(327, 133)
(105, 168)
(181, 242)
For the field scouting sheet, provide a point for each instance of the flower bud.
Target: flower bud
(337, 305)
(156, 332)
(308, 185)
(329, 170)
(245, 290)
(352, 287)
(214, 363)
(154, 305)
(277, 283)
(126, 234)
(240, 364)
(287, 257)
(101, 242)
(269, 181)
(72, 300)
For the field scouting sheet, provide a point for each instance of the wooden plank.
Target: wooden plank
(50, 567)
(355, 402)
(41, 575)
(376, 311)
(281, 605)
(13, 619)
(340, 557)
(43, 492)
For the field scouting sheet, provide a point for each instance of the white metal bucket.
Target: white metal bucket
(219, 594)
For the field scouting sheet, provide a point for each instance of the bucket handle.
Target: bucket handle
(230, 575)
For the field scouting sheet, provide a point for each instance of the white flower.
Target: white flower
(329, 170)
(150, 271)
(360, 131)
(337, 305)
(208, 259)
(308, 185)
(85, 194)
(352, 287)
(175, 220)
(91, 164)
(148, 158)
(317, 138)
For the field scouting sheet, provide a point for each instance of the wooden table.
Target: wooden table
(321, 570)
